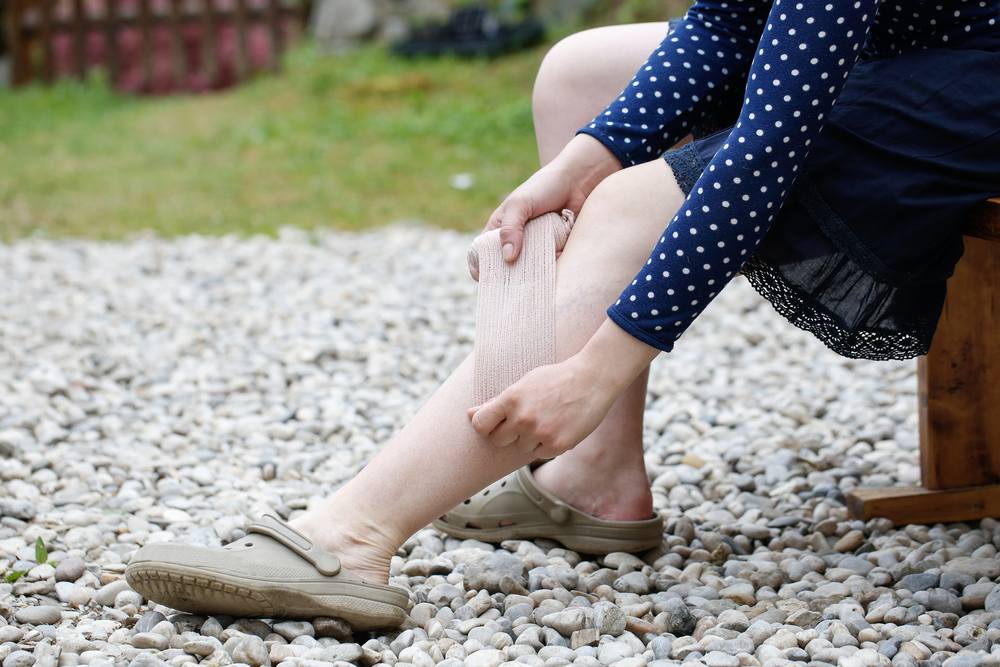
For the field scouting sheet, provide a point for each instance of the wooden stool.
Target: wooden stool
(959, 392)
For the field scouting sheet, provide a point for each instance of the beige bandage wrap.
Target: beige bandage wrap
(516, 307)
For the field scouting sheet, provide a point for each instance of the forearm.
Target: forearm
(615, 358)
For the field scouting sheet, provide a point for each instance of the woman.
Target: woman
(861, 204)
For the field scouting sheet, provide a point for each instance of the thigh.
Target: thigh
(582, 73)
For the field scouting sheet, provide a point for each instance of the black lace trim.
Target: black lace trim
(686, 165)
(806, 313)
(894, 314)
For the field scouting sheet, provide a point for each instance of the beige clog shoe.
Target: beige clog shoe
(517, 508)
(273, 572)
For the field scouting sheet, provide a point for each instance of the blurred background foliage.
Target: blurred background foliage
(349, 140)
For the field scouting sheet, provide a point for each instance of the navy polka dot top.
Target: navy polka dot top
(792, 57)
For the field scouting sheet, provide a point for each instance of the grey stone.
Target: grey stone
(566, 622)
(974, 595)
(633, 582)
(345, 652)
(609, 619)
(584, 637)
(850, 541)
(719, 659)
(611, 652)
(70, 568)
(17, 509)
(151, 640)
(974, 567)
(516, 611)
(920, 581)
(251, 650)
(148, 621)
(332, 627)
(491, 572)
(19, 658)
(487, 657)
(42, 614)
(939, 599)
(203, 647)
(10, 633)
(106, 594)
(292, 629)
(680, 621)
(992, 601)
(740, 593)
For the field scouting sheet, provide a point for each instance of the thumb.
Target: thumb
(488, 416)
(512, 229)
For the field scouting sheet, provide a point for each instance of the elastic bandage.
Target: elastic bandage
(516, 305)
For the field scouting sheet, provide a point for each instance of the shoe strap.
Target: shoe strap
(325, 562)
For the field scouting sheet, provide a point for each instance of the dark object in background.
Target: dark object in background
(470, 32)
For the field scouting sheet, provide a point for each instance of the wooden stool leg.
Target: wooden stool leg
(959, 406)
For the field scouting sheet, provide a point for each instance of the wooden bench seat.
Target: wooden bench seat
(959, 397)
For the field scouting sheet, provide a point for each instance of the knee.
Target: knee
(560, 74)
(644, 191)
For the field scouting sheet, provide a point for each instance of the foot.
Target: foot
(365, 551)
(605, 489)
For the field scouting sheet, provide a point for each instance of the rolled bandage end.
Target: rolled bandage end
(561, 225)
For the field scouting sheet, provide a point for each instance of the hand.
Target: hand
(553, 408)
(563, 183)
(548, 411)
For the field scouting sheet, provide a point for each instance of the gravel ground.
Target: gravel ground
(158, 390)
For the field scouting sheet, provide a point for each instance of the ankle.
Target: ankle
(613, 492)
(363, 548)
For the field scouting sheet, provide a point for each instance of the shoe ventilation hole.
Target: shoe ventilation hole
(467, 501)
(486, 492)
(503, 483)
(248, 544)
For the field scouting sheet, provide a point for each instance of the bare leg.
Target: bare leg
(438, 460)
(605, 475)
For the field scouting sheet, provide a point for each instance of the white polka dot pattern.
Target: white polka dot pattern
(805, 50)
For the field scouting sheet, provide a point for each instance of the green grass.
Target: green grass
(348, 141)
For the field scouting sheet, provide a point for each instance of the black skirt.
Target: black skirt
(861, 251)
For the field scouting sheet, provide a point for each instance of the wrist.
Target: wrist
(615, 358)
(587, 160)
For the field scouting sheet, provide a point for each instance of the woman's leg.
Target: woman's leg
(605, 475)
(438, 460)
(582, 74)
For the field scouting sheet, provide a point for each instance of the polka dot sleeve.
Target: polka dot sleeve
(705, 56)
(804, 55)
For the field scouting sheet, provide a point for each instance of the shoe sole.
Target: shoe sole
(191, 590)
(587, 544)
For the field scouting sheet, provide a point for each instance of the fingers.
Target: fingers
(488, 416)
(504, 435)
(491, 421)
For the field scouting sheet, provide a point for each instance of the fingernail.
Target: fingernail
(508, 251)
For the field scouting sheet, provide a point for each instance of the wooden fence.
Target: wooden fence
(150, 46)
